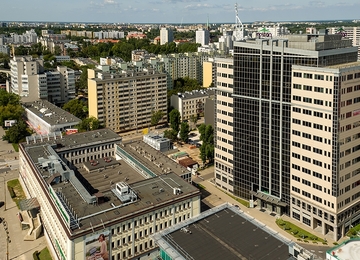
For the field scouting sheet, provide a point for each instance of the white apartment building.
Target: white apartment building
(166, 35)
(27, 37)
(325, 143)
(191, 103)
(223, 123)
(116, 197)
(125, 100)
(202, 37)
(29, 80)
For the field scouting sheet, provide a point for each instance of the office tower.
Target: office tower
(325, 144)
(352, 33)
(224, 155)
(125, 100)
(262, 101)
(202, 37)
(166, 35)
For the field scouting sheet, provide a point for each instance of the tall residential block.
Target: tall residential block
(262, 103)
(202, 37)
(166, 35)
(125, 100)
(32, 82)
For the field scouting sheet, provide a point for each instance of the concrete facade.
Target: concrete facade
(124, 101)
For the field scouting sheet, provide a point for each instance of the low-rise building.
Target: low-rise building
(91, 192)
(44, 117)
(191, 103)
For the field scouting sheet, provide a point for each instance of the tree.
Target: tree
(175, 120)
(156, 117)
(10, 108)
(207, 147)
(76, 107)
(88, 124)
(184, 131)
(17, 132)
(170, 134)
(194, 119)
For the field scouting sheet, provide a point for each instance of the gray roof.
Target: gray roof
(50, 113)
(80, 187)
(222, 233)
(196, 94)
(159, 163)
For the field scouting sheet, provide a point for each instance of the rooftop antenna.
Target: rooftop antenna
(239, 27)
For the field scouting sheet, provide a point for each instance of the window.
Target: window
(306, 135)
(307, 100)
(306, 123)
(296, 86)
(318, 89)
(319, 77)
(308, 88)
(296, 121)
(318, 114)
(308, 76)
(297, 98)
(318, 102)
(297, 74)
(307, 112)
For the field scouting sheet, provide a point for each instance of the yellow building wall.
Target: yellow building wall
(92, 95)
(207, 74)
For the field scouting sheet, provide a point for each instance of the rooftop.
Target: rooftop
(196, 94)
(224, 232)
(50, 113)
(155, 161)
(349, 250)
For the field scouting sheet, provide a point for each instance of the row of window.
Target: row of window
(312, 76)
(313, 197)
(312, 88)
(308, 183)
(311, 113)
(223, 84)
(312, 101)
(313, 125)
(224, 158)
(314, 210)
(349, 102)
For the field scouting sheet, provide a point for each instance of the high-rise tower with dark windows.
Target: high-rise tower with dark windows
(262, 102)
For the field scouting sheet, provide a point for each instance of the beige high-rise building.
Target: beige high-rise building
(124, 101)
(223, 123)
(325, 144)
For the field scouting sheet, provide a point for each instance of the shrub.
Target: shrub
(313, 238)
(295, 232)
(12, 193)
(335, 243)
(281, 222)
(286, 227)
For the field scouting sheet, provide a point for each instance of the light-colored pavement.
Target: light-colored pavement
(12, 244)
(218, 197)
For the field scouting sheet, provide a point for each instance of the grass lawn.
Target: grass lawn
(16, 186)
(44, 254)
(353, 232)
(298, 232)
(16, 147)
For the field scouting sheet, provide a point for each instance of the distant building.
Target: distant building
(136, 35)
(31, 82)
(352, 33)
(166, 35)
(44, 117)
(202, 37)
(125, 100)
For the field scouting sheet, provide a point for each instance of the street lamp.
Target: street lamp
(4, 191)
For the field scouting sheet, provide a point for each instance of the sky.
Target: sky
(176, 11)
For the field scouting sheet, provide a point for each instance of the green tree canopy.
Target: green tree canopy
(207, 147)
(174, 118)
(156, 117)
(184, 131)
(170, 134)
(88, 124)
(10, 108)
(76, 107)
(17, 132)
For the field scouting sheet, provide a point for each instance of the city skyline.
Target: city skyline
(177, 11)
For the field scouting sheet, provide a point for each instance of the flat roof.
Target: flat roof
(153, 159)
(50, 113)
(349, 250)
(224, 232)
(196, 94)
(345, 65)
(97, 181)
